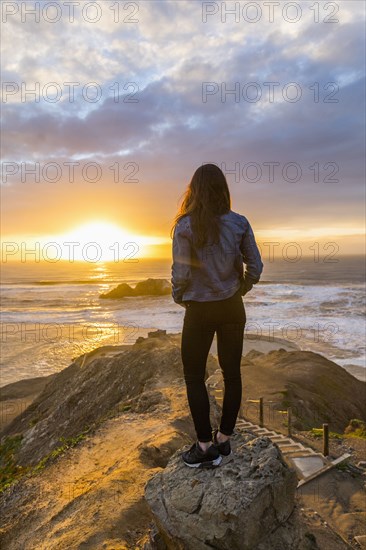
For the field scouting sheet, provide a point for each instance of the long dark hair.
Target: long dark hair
(206, 198)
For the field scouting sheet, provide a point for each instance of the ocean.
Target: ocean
(52, 312)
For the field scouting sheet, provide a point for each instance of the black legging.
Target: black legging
(201, 320)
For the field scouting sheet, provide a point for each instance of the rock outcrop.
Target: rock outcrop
(246, 503)
(150, 287)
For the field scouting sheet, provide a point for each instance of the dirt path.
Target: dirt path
(92, 497)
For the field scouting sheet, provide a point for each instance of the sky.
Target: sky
(129, 98)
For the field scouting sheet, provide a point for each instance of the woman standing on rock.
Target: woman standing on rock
(210, 244)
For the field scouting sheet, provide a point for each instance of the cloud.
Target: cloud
(169, 54)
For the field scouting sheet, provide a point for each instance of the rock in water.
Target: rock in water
(150, 287)
(243, 504)
(154, 287)
(119, 292)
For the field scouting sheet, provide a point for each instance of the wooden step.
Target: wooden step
(290, 448)
(302, 454)
(283, 448)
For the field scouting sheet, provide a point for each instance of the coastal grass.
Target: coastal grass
(11, 472)
(356, 429)
(318, 432)
(68, 443)
(357, 434)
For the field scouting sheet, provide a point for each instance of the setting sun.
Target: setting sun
(93, 242)
(105, 241)
(105, 232)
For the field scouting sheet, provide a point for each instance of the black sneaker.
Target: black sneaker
(195, 457)
(223, 448)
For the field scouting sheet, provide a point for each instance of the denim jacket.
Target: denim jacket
(214, 272)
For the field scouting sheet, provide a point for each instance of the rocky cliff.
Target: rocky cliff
(82, 453)
(317, 389)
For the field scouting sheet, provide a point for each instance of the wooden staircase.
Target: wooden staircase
(307, 463)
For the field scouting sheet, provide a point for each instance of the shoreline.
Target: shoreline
(262, 344)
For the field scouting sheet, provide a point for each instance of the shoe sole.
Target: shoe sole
(207, 464)
(229, 454)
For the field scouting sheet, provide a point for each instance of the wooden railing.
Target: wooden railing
(287, 412)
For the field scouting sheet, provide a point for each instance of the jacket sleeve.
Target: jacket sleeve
(181, 267)
(251, 258)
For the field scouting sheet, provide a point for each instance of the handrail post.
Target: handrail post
(261, 419)
(325, 439)
(289, 422)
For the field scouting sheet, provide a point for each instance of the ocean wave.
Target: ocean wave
(325, 318)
